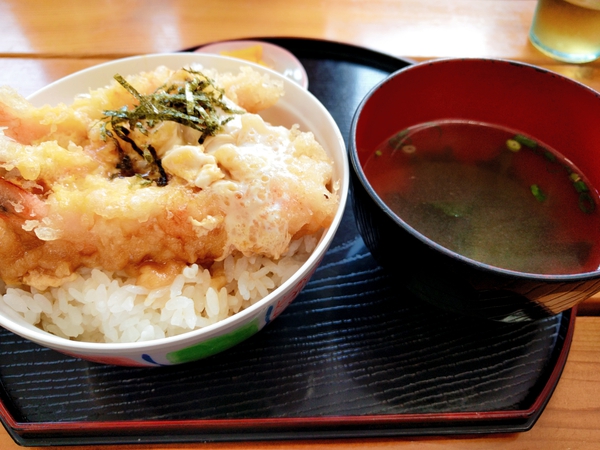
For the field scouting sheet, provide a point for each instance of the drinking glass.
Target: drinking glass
(567, 30)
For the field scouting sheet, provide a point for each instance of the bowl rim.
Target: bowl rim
(229, 323)
(478, 265)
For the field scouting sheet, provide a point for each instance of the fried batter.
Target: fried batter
(72, 197)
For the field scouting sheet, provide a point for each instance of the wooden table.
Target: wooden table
(43, 41)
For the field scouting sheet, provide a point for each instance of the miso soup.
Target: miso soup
(490, 194)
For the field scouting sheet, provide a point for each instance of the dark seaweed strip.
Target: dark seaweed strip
(194, 105)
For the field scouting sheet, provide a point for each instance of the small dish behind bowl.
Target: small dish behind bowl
(555, 110)
(269, 55)
(297, 106)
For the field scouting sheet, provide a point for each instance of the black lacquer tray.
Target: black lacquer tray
(352, 356)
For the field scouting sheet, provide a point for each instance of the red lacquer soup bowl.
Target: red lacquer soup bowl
(555, 111)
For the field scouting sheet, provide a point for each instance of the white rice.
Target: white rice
(100, 306)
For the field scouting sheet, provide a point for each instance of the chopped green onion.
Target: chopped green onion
(524, 140)
(378, 153)
(580, 186)
(537, 192)
(513, 145)
(550, 156)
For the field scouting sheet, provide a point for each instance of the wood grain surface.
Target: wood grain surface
(42, 41)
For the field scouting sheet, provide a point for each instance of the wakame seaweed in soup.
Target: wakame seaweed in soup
(490, 194)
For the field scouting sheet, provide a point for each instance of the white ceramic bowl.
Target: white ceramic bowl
(296, 106)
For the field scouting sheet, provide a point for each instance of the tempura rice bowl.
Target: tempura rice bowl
(297, 106)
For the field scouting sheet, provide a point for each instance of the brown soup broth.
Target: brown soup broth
(509, 202)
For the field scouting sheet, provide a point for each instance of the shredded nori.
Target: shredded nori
(194, 103)
(396, 141)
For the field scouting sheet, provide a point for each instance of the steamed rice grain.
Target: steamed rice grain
(101, 306)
